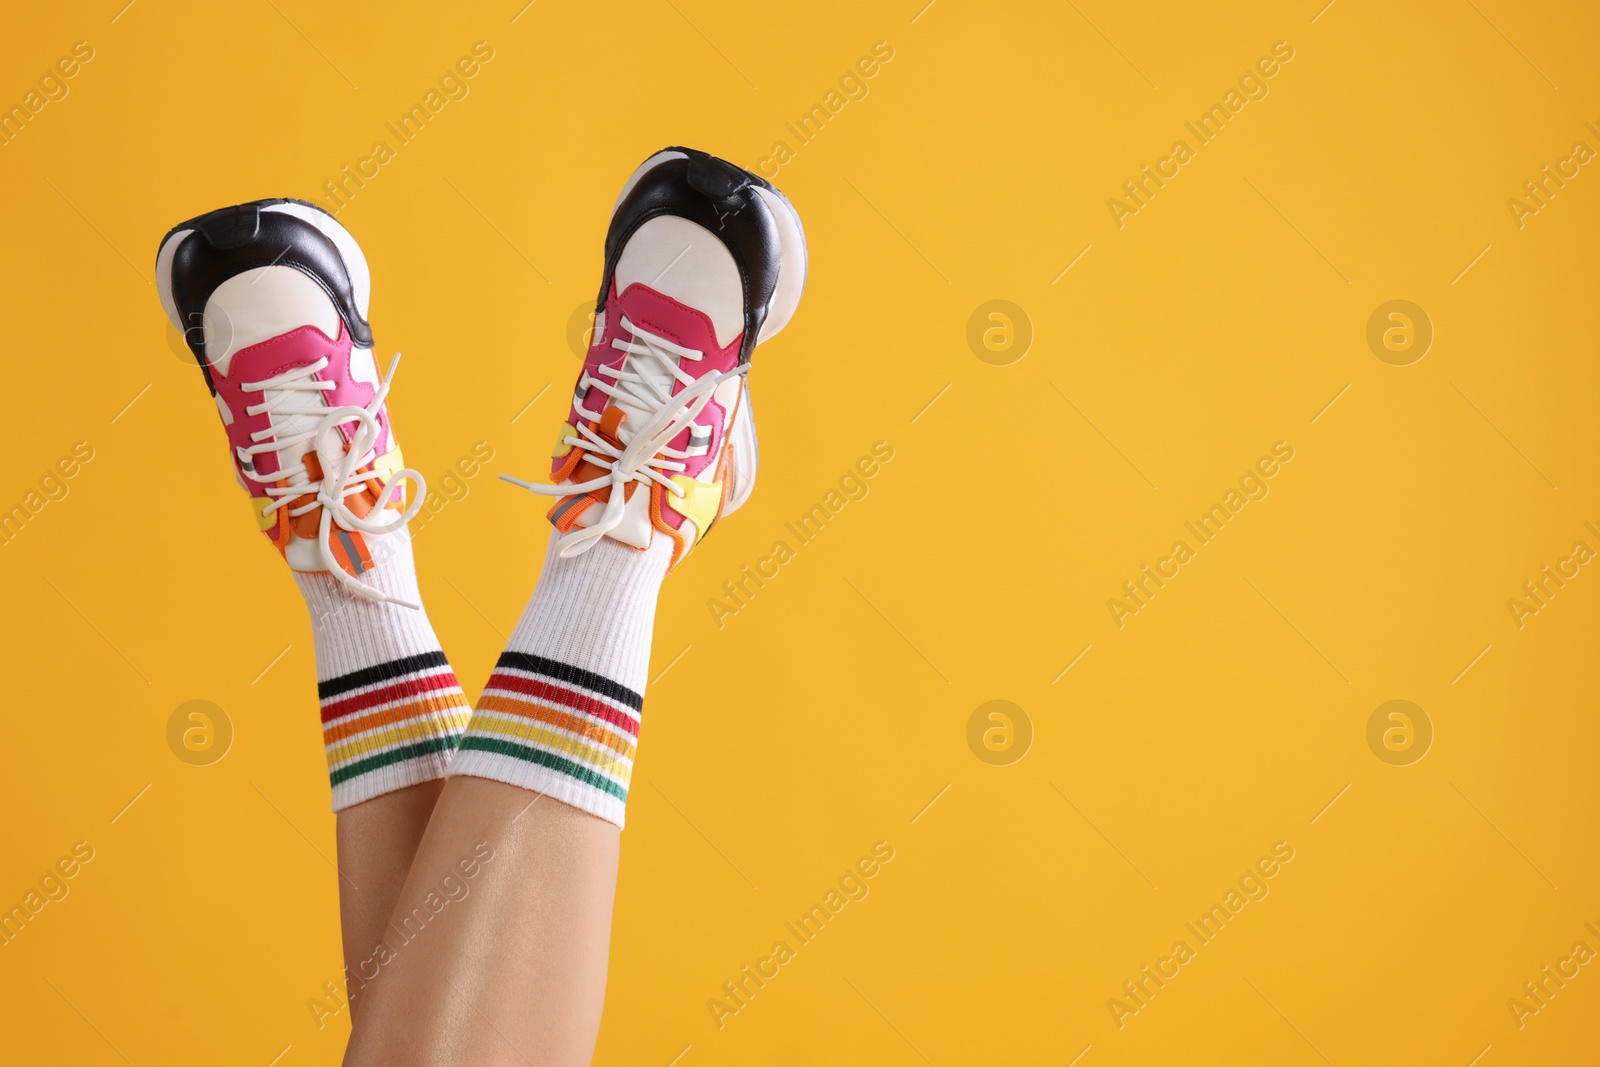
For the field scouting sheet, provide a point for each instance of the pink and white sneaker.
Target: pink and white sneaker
(704, 260)
(272, 298)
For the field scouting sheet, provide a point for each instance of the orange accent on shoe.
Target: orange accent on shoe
(374, 488)
(568, 518)
(680, 545)
(568, 465)
(608, 428)
(279, 534)
(351, 565)
(309, 525)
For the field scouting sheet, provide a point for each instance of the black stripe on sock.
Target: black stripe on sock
(381, 673)
(569, 675)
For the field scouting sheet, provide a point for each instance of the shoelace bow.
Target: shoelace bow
(342, 476)
(644, 456)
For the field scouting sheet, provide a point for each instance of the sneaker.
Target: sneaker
(271, 297)
(704, 261)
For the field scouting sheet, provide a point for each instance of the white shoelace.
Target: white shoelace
(341, 467)
(644, 379)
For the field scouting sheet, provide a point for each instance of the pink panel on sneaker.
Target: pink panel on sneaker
(671, 517)
(297, 348)
(676, 322)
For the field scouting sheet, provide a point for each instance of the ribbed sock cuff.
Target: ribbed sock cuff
(560, 714)
(392, 709)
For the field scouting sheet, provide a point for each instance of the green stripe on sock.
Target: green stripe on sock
(427, 747)
(544, 759)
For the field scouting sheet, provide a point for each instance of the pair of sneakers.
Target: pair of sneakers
(703, 261)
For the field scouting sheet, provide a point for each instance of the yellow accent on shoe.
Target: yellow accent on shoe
(562, 447)
(258, 504)
(699, 504)
(386, 465)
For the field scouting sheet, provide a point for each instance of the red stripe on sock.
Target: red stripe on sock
(398, 691)
(542, 690)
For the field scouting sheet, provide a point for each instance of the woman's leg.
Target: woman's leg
(511, 967)
(286, 351)
(497, 949)
(377, 840)
(392, 714)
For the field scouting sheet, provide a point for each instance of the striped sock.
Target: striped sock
(392, 710)
(560, 714)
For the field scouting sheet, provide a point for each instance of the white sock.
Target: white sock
(392, 710)
(560, 714)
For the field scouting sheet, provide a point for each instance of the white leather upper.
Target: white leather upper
(687, 262)
(259, 305)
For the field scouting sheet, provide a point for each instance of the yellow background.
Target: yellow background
(826, 715)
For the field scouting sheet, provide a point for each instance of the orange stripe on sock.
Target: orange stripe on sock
(394, 716)
(442, 729)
